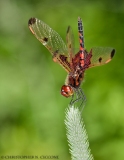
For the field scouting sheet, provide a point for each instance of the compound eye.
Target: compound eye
(67, 91)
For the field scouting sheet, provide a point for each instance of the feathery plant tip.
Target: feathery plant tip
(76, 135)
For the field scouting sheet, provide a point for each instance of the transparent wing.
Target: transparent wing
(70, 45)
(51, 40)
(70, 42)
(101, 55)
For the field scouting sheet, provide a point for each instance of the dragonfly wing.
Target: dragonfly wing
(70, 42)
(51, 40)
(101, 55)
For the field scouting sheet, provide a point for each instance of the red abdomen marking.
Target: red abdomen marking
(82, 59)
(81, 40)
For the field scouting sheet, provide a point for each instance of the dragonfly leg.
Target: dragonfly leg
(79, 97)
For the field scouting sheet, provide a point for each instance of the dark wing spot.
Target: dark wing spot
(112, 53)
(69, 45)
(31, 21)
(45, 39)
(68, 29)
(63, 58)
(100, 59)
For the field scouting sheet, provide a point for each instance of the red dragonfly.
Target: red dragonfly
(74, 64)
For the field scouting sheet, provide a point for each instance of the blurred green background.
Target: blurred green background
(32, 111)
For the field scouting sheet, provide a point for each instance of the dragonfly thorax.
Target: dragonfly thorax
(75, 78)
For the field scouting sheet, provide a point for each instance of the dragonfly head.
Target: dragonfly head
(67, 91)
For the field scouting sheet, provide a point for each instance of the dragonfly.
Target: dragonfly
(74, 64)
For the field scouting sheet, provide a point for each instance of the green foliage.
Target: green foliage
(30, 120)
